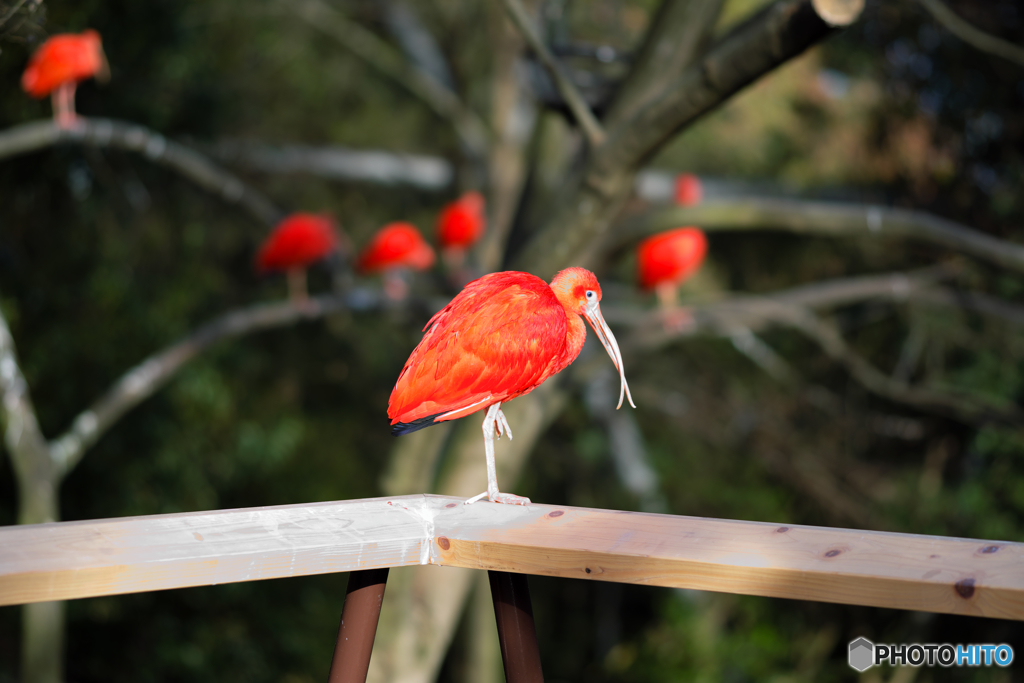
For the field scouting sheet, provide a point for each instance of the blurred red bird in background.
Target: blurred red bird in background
(459, 225)
(395, 248)
(665, 261)
(501, 337)
(296, 243)
(57, 67)
(689, 190)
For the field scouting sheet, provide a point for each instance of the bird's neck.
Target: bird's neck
(575, 335)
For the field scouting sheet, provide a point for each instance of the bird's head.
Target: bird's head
(92, 38)
(578, 291)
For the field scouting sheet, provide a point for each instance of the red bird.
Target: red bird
(502, 336)
(57, 67)
(689, 190)
(395, 247)
(296, 243)
(667, 259)
(459, 226)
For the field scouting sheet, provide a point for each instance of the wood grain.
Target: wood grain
(900, 571)
(63, 560)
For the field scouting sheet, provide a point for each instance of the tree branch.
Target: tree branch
(339, 163)
(30, 137)
(973, 36)
(580, 110)
(37, 501)
(964, 408)
(147, 377)
(674, 38)
(574, 232)
(471, 131)
(831, 219)
(10, 13)
(793, 308)
(771, 37)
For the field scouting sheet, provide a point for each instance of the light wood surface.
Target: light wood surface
(900, 571)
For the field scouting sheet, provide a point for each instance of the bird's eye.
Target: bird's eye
(590, 294)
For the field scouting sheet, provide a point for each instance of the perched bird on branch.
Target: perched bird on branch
(298, 241)
(501, 337)
(395, 248)
(664, 262)
(59, 64)
(459, 225)
(688, 190)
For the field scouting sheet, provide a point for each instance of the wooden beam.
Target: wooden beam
(63, 560)
(900, 571)
(877, 569)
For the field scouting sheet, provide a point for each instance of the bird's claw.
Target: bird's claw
(501, 425)
(499, 497)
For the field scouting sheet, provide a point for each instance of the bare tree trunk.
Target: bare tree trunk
(42, 645)
(425, 603)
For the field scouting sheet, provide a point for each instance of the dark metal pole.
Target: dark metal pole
(516, 633)
(359, 617)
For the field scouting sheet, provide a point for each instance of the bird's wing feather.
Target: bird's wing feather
(495, 341)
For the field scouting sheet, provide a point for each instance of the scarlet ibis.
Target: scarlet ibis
(502, 336)
(664, 261)
(297, 242)
(689, 190)
(459, 225)
(395, 247)
(57, 67)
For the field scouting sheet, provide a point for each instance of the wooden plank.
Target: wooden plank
(901, 571)
(65, 560)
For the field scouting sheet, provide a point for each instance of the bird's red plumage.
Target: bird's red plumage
(461, 223)
(670, 257)
(503, 335)
(297, 242)
(396, 245)
(63, 58)
(689, 190)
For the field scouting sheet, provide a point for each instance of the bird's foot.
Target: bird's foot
(69, 121)
(677, 320)
(499, 497)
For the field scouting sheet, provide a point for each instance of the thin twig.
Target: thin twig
(793, 308)
(147, 377)
(470, 129)
(974, 36)
(588, 122)
(965, 408)
(4, 19)
(37, 135)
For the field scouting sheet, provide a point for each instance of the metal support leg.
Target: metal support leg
(514, 614)
(358, 626)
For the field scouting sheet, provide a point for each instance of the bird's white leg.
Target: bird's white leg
(64, 105)
(492, 492)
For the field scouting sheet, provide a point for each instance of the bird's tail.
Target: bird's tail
(414, 426)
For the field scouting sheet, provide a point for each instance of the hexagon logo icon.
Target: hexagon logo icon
(862, 654)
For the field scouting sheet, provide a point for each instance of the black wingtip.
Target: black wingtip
(414, 426)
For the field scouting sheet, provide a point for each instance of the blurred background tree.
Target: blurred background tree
(105, 258)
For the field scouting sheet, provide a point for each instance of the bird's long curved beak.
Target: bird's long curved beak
(596, 320)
